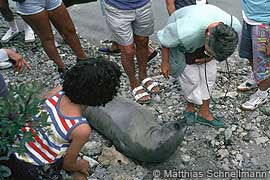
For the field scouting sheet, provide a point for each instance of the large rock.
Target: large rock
(134, 130)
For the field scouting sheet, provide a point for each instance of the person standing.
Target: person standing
(131, 24)
(213, 32)
(38, 14)
(13, 28)
(255, 46)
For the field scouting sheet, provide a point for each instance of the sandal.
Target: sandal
(138, 96)
(151, 86)
(107, 50)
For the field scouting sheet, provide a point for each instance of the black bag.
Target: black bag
(72, 2)
(197, 54)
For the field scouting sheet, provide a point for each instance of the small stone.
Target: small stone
(233, 128)
(261, 140)
(223, 153)
(157, 98)
(185, 158)
(112, 156)
(228, 134)
(248, 126)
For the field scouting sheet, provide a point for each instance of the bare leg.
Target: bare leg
(264, 85)
(114, 46)
(42, 27)
(204, 110)
(141, 54)
(127, 54)
(190, 107)
(5, 11)
(62, 22)
(79, 176)
(142, 57)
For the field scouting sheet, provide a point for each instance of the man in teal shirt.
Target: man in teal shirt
(189, 29)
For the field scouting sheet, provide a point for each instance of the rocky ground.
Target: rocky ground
(243, 145)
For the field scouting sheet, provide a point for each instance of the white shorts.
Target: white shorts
(193, 81)
(30, 7)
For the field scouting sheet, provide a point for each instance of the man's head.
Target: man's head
(93, 82)
(222, 41)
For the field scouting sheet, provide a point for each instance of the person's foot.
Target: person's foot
(10, 34)
(190, 117)
(255, 101)
(247, 85)
(151, 85)
(29, 35)
(62, 72)
(107, 50)
(215, 122)
(141, 96)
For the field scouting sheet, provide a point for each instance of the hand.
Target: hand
(18, 61)
(85, 167)
(203, 60)
(165, 69)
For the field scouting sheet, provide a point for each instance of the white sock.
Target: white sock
(27, 27)
(13, 25)
(262, 93)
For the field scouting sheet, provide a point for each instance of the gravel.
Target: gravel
(243, 144)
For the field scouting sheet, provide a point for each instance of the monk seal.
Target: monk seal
(134, 131)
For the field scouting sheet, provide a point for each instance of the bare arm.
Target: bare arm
(165, 68)
(78, 137)
(52, 92)
(170, 6)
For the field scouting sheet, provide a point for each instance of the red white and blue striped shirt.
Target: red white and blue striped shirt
(50, 145)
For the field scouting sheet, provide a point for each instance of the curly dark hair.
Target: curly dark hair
(223, 41)
(92, 82)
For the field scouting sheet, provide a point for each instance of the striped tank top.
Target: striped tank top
(50, 145)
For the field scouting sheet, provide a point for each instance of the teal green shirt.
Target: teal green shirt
(185, 32)
(257, 10)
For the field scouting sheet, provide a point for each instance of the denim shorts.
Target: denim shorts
(30, 7)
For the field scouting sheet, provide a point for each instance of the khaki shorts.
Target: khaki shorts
(123, 24)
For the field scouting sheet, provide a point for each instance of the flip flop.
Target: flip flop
(107, 50)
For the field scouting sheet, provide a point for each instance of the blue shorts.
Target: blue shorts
(30, 7)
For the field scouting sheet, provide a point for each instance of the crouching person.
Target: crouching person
(88, 83)
(194, 38)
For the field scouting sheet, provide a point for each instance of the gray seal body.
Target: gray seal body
(134, 130)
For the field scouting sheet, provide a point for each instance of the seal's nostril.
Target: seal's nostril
(176, 126)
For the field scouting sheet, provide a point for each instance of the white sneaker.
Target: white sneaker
(247, 85)
(9, 35)
(255, 101)
(29, 35)
(5, 64)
